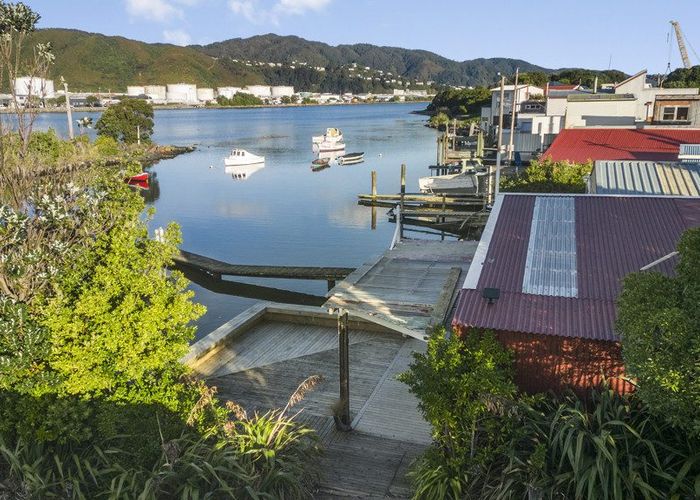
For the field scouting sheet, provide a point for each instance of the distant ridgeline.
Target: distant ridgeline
(92, 62)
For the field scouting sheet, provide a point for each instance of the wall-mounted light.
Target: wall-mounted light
(491, 294)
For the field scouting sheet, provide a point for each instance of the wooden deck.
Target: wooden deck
(259, 358)
(412, 285)
(263, 367)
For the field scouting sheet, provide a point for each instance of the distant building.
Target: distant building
(228, 92)
(156, 92)
(547, 274)
(181, 93)
(260, 91)
(33, 86)
(205, 95)
(135, 90)
(282, 91)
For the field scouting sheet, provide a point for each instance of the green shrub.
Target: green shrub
(48, 146)
(106, 146)
(659, 322)
(546, 176)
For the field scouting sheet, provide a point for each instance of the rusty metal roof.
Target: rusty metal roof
(646, 177)
(582, 144)
(611, 237)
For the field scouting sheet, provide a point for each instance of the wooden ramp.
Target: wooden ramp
(411, 286)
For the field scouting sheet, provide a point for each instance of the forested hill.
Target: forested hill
(91, 61)
(412, 64)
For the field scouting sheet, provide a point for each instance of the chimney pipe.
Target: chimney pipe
(546, 89)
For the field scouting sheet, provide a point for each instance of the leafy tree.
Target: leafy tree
(92, 101)
(684, 78)
(537, 78)
(125, 120)
(546, 176)
(659, 322)
(586, 77)
(461, 101)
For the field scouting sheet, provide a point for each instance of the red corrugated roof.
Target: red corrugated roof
(563, 87)
(583, 144)
(614, 237)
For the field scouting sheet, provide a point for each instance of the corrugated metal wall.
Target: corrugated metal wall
(551, 363)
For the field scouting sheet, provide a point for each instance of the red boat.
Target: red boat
(139, 184)
(143, 176)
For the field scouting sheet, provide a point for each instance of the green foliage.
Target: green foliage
(586, 77)
(48, 146)
(684, 78)
(239, 99)
(17, 18)
(92, 101)
(124, 121)
(461, 101)
(546, 176)
(464, 391)
(106, 146)
(536, 78)
(659, 321)
(611, 446)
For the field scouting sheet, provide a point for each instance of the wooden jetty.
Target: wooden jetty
(258, 359)
(218, 269)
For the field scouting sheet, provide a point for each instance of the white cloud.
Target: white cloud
(154, 10)
(258, 12)
(177, 37)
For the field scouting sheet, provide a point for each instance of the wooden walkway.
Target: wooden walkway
(412, 285)
(259, 358)
(219, 268)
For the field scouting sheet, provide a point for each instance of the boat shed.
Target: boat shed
(547, 273)
(645, 178)
(579, 145)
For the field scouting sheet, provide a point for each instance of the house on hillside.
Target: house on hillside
(652, 144)
(548, 271)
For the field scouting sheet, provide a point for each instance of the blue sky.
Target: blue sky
(553, 34)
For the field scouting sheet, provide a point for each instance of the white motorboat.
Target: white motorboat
(242, 157)
(243, 172)
(464, 183)
(351, 158)
(330, 142)
(332, 135)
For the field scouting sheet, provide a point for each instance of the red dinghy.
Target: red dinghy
(143, 176)
(139, 184)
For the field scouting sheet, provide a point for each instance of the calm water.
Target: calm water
(283, 214)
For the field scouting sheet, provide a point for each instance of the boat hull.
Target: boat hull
(452, 183)
(351, 158)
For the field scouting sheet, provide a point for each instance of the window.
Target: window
(675, 113)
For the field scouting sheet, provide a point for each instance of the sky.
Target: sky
(622, 34)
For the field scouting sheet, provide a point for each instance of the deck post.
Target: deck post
(343, 421)
(403, 195)
(373, 223)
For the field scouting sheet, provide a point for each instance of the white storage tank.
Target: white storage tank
(282, 91)
(205, 95)
(258, 90)
(228, 92)
(156, 92)
(181, 93)
(32, 85)
(135, 90)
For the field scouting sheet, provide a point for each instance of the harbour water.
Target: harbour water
(282, 214)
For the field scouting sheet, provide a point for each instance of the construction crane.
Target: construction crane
(681, 44)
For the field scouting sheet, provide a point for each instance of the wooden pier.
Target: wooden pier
(218, 269)
(258, 359)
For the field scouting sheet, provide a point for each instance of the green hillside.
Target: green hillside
(407, 63)
(90, 61)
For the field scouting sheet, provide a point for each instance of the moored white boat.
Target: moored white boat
(331, 141)
(242, 157)
(464, 183)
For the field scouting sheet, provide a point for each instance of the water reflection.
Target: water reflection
(242, 172)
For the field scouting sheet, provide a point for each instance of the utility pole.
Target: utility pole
(500, 144)
(512, 117)
(68, 111)
(138, 134)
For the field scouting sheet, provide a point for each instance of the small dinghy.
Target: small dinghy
(320, 164)
(351, 158)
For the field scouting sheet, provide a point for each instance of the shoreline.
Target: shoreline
(216, 107)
